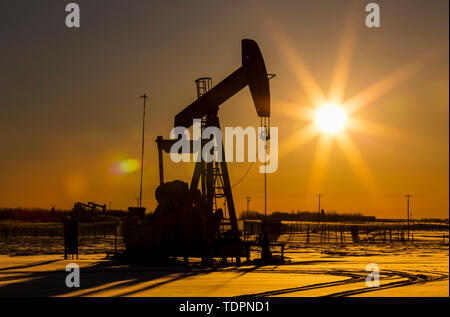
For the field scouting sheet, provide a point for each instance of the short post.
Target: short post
(70, 238)
(307, 233)
(115, 240)
(247, 252)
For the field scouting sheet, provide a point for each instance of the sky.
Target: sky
(70, 109)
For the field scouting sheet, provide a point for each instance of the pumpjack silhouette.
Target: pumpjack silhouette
(187, 220)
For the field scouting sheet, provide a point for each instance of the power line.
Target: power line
(243, 176)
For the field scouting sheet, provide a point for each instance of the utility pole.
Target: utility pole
(248, 205)
(319, 195)
(407, 209)
(145, 97)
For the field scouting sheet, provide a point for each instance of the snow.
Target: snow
(318, 269)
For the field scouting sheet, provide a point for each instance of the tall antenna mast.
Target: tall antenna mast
(145, 97)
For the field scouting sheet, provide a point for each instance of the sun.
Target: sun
(330, 118)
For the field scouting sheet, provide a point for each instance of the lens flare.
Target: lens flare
(330, 118)
(126, 166)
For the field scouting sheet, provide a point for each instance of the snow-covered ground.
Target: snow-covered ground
(318, 269)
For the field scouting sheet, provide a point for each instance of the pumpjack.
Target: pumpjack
(187, 220)
(94, 206)
(82, 211)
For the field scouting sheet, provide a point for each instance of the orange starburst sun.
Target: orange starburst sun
(330, 117)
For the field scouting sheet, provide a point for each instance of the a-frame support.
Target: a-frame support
(207, 173)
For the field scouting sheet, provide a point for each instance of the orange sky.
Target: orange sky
(70, 108)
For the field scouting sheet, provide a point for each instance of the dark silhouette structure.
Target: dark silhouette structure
(407, 210)
(253, 74)
(186, 220)
(70, 238)
(85, 212)
(145, 98)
